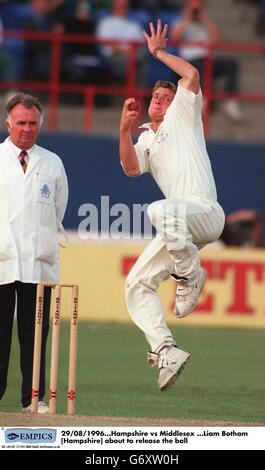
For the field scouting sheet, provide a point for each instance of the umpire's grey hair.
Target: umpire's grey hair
(27, 101)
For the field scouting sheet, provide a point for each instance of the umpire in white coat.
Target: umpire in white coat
(33, 199)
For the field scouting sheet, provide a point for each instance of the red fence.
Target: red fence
(55, 85)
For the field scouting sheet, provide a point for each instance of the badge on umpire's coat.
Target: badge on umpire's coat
(45, 192)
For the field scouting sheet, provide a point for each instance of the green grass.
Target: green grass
(224, 380)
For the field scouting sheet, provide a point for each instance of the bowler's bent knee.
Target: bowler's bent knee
(154, 211)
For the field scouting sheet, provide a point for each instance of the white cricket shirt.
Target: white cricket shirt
(176, 154)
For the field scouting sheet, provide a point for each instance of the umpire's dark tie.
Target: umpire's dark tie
(22, 160)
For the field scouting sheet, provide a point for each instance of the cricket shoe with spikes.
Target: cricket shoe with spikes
(170, 361)
(188, 292)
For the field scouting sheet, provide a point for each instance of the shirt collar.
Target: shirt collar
(146, 125)
(18, 150)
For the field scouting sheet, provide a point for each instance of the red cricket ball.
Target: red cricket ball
(134, 106)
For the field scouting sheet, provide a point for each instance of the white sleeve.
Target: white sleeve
(61, 194)
(142, 154)
(186, 105)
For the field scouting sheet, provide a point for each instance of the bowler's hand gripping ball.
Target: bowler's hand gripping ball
(134, 106)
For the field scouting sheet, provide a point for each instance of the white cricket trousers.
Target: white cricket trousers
(183, 227)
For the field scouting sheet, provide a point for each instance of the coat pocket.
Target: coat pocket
(47, 245)
(6, 243)
(45, 186)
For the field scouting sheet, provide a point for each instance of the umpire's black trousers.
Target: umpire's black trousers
(24, 296)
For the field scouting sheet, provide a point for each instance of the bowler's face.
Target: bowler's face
(161, 99)
(24, 126)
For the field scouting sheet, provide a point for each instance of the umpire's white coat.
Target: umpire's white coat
(32, 206)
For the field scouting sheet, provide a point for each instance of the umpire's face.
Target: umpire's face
(160, 101)
(23, 125)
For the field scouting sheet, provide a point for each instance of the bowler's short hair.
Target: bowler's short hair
(165, 84)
